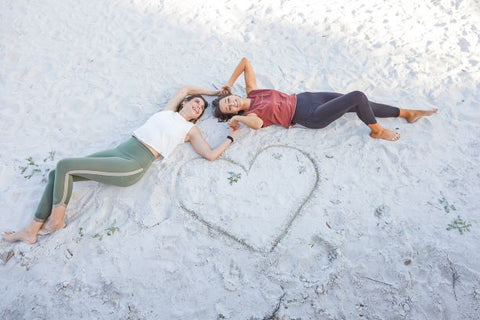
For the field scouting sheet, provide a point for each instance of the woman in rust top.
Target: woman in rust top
(265, 107)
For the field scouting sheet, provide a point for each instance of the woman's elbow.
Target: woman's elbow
(211, 157)
(258, 125)
(184, 90)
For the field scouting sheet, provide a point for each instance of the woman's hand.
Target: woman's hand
(233, 123)
(251, 120)
(226, 89)
(234, 131)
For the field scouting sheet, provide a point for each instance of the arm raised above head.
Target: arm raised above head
(245, 67)
(185, 91)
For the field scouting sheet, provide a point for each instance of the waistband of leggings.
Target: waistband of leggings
(138, 151)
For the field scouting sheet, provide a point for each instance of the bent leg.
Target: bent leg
(111, 170)
(44, 208)
(320, 116)
(309, 102)
(121, 166)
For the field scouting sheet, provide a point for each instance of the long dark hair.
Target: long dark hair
(221, 116)
(188, 98)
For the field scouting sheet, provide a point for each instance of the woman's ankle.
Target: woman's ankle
(376, 127)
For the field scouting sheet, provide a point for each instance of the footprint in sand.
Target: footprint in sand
(231, 275)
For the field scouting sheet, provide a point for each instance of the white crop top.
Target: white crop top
(164, 131)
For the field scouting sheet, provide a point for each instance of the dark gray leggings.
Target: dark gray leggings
(318, 109)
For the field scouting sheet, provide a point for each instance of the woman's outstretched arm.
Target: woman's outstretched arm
(245, 67)
(201, 146)
(178, 97)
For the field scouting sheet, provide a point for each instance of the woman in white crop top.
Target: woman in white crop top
(127, 163)
(188, 103)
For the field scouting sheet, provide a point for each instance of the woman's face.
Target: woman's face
(230, 105)
(195, 107)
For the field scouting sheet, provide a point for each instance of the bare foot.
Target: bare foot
(379, 132)
(55, 221)
(51, 226)
(385, 134)
(413, 115)
(23, 235)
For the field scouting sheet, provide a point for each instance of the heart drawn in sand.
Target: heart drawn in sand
(253, 205)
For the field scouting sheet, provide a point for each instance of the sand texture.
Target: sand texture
(297, 223)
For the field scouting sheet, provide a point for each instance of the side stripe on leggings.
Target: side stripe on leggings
(100, 173)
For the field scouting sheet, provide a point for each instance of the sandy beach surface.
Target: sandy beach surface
(288, 224)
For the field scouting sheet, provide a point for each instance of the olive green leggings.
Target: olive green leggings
(122, 166)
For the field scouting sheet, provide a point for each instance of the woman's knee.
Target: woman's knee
(359, 99)
(63, 166)
(359, 95)
(51, 175)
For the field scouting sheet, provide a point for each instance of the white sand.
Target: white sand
(354, 228)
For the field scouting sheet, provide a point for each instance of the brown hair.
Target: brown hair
(188, 98)
(222, 116)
